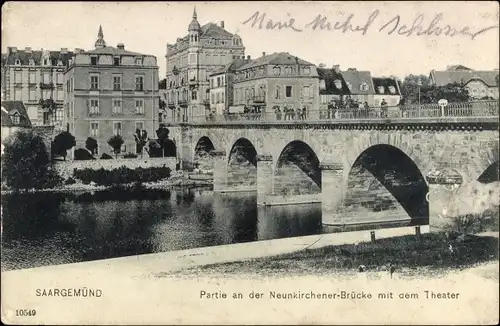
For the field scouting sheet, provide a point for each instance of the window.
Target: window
(18, 62)
(138, 61)
(46, 77)
(18, 77)
(338, 83)
(218, 97)
(117, 83)
(93, 61)
(363, 87)
(59, 78)
(218, 82)
(94, 106)
(139, 83)
(32, 78)
(139, 125)
(381, 89)
(32, 94)
(276, 70)
(277, 92)
(392, 89)
(15, 118)
(288, 91)
(45, 62)
(213, 98)
(117, 128)
(194, 95)
(306, 91)
(139, 106)
(60, 95)
(94, 83)
(94, 129)
(288, 70)
(46, 94)
(18, 94)
(117, 106)
(307, 70)
(116, 61)
(59, 115)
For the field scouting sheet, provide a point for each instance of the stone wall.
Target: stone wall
(65, 168)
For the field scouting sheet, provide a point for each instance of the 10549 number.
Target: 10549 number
(25, 312)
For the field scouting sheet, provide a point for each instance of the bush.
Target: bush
(130, 155)
(62, 143)
(122, 175)
(116, 143)
(82, 154)
(106, 156)
(70, 181)
(91, 145)
(26, 163)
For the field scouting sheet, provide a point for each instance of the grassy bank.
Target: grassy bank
(428, 254)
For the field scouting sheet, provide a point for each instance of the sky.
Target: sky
(147, 27)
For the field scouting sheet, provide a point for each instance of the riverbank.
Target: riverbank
(178, 179)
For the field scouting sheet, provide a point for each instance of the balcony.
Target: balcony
(46, 85)
(193, 82)
(258, 99)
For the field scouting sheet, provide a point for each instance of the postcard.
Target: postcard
(244, 163)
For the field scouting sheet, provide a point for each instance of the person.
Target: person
(384, 109)
(278, 112)
(298, 113)
(304, 113)
(366, 110)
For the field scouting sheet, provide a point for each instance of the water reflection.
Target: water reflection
(54, 228)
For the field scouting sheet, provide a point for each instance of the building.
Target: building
(279, 80)
(360, 85)
(332, 86)
(221, 86)
(14, 118)
(111, 91)
(35, 77)
(192, 59)
(386, 89)
(480, 84)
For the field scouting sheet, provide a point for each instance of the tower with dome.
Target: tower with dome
(191, 59)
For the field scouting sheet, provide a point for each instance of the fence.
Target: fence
(431, 111)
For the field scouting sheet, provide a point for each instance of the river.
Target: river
(41, 229)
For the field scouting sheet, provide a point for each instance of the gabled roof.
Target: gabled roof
(37, 56)
(15, 107)
(114, 51)
(213, 30)
(457, 68)
(443, 78)
(355, 78)
(330, 76)
(385, 83)
(232, 66)
(281, 58)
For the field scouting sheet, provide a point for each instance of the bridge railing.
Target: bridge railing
(469, 109)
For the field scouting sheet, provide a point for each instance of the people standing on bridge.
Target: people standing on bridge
(384, 108)
(304, 113)
(278, 112)
(298, 113)
(366, 110)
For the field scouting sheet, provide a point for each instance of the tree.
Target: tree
(322, 65)
(452, 93)
(163, 84)
(410, 87)
(141, 138)
(91, 145)
(116, 143)
(26, 163)
(62, 143)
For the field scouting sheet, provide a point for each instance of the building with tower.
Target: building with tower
(111, 91)
(190, 62)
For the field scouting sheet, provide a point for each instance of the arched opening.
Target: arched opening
(490, 174)
(242, 165)
(297, 171)
(202, 154)
(384, 184)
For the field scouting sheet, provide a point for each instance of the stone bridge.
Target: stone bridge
(363, 172)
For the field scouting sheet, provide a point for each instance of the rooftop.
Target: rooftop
(11, 108)
(280, 58)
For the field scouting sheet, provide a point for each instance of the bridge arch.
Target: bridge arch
(202, 151)
(242, 164)
(490, 174)
(297, 170)
(385, 180)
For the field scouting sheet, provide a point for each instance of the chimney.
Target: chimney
(222, 24)
(336, 68)
(78, 51)
(121, 46)
(64, 50)
(248, 57)
(27, 49)
(12, 49)
(263, 54)
(351, 69)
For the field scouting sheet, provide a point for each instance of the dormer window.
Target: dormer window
(16, 119)
(18, 62)
(93, 61)
(349, 85)
(31, 62)
(288, 70)
(276, 71)
(307, 70)
(381, 89)
(338, 83)
(364, 87)
(59, 62)
(138, 61)
(392, 89)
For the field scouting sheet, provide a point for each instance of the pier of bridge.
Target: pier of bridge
(364, 171)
